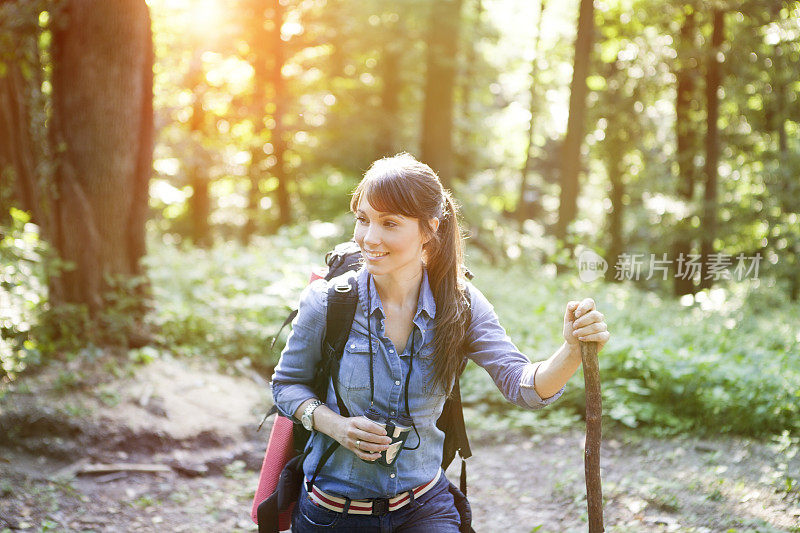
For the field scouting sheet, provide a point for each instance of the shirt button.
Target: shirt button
(391, 475)
(397, 382)
(394, 412)
(391, 351)
(352, 346)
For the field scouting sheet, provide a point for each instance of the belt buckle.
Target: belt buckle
(380, 506)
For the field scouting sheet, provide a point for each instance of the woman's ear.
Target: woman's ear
(434, 225)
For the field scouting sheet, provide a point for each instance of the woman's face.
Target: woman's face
(390, 242)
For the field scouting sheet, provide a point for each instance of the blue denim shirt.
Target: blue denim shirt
(345, 474)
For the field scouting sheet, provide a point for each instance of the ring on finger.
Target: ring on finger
(358, 443)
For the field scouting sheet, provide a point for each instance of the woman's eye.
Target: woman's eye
(389, 224)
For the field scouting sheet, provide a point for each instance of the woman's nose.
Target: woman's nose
(372, 235)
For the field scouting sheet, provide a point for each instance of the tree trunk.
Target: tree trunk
(437, 116)
(685, 148)
(713, 79)
(529, 196)
(463, 152)
(103, 123)
(615, 217)
(17, 155)
(390, 93)
(255, 11)
(22, 146)
(197, 167)
(571, 150)
(279, 99)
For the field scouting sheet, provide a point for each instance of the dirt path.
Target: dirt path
(201, 425)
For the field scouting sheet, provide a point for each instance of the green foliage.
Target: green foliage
(23, 293)
(32, 329)
(725, 363)
(229, 301)
(722, 362)
(68, 330)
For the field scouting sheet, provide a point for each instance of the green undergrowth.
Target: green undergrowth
(725, 361)
(229, 301)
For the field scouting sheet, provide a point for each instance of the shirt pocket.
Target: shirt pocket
(354, 368)
(429, 386)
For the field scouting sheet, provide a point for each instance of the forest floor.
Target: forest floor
(195, 427)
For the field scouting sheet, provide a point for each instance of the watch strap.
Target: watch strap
(308, 414)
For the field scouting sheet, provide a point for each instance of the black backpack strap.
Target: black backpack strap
(272, 410)
(451, 422)
(455, 434)
(285, 323)
(322, 460)
(342, 303)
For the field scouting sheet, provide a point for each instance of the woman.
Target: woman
(416, 320)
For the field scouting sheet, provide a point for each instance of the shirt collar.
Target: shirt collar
(425, 302)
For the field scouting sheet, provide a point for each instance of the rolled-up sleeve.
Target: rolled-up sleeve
(491, 348)
(291, 382)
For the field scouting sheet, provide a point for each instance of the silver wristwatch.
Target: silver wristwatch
(308, 415)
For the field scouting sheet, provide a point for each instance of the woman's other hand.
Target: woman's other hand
(583, 322)
(363, 437)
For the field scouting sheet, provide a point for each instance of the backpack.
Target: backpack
(281, 471)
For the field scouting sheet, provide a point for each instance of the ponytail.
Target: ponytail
(445, 260)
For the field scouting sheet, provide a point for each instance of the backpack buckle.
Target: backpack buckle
(342, 287)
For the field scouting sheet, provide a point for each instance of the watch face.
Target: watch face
(306, 418)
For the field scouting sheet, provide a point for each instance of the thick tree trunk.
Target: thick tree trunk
(529, 196)
(103, 122)
(571, 150)
(685, 148)
(713, 80)
(437, 116)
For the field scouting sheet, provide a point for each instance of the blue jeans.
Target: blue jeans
(433, 512)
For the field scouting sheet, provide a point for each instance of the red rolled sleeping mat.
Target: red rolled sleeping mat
(279, 451)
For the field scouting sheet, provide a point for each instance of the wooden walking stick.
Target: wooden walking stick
(591, 454)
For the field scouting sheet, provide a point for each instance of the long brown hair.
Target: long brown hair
(401, 184)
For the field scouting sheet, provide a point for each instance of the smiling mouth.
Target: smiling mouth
(375, 255)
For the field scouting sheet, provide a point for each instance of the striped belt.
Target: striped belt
(376, 506)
